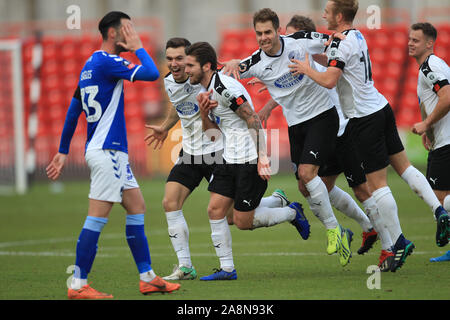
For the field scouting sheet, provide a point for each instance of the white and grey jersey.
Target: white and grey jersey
(183, 97)
(230, 94)
(300, 97)
(357, 93)
(433, 75)
(343, 121)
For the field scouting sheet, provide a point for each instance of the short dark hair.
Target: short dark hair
(265, 15)
(301, 23)
(427, 28)
(204, 53)
(348, 9)
(177, 43)
(111, 19)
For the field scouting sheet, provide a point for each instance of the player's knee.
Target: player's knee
(306, 174)
(170, 205)
(215, 212)
(361, 193)
(241, 222)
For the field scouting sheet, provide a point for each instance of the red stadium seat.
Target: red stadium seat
(131, 93)
(377, 55)
(393, 70)
(49, 67)
(69, 48)
(49, 83)
(50, 48)
(381, 39)
(133, 110)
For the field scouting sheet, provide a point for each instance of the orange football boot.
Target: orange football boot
(157, 285)
(86, 292)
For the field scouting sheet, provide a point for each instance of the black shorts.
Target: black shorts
(345, 159)
(438, 168)
(190, 170)
(313, 141)
(239, 182)
(376, 138)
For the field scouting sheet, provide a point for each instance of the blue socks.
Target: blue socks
(87, 245)
(137, 241)
(88, 239)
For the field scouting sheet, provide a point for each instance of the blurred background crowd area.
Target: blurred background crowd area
(52, 26)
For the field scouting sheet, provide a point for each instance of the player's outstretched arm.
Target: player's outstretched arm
(231, 68)
(327, 79)
(160, 133)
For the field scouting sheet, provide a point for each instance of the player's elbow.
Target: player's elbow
(153, 75)
(330, 83)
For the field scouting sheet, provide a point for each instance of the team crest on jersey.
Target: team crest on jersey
(294, 55)
(187, 108)
(431, 76)
(227, 94)
(243, 67)
(128, 64)
(333, 52)
(188, 88)
(288, 80)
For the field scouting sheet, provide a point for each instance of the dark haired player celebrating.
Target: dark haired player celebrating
(242, 178)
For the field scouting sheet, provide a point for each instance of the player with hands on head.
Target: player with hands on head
(100, 95)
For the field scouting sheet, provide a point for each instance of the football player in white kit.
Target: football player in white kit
(197, 159)
(197, 156)
(349, 70)
(100, 95)
(345, 159)
(242, 177)
(310, 114)
(433, 90)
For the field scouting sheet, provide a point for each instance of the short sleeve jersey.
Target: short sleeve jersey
(183, 96)
(101, 94)
(300, 97)
(230, 95)
(433, 75)
(355, 87)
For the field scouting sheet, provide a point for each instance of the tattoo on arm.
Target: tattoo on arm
(246, 113)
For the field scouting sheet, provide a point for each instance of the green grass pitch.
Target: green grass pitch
(38, 235)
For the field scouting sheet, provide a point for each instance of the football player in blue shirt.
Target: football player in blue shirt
(100, 95)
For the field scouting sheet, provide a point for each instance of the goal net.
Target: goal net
(13, 176)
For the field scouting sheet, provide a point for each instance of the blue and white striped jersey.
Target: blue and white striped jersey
(100, 95)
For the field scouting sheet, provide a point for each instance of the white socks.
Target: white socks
(77, 283)
(447, 203)
(371, 209)
(221, 239)
(271, 202)
(342, 201)
(387, 207)
(267, 217)
(147, 276)
(179, 236)
(319, 203)
(420, 185)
